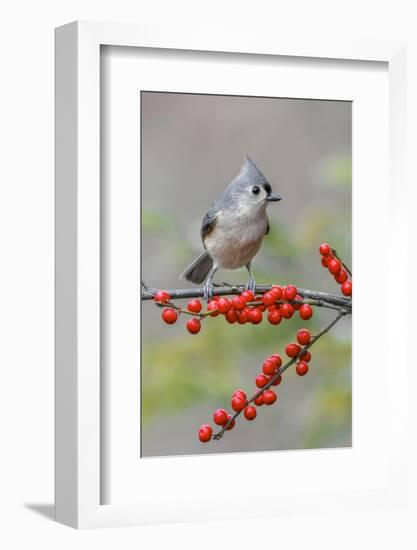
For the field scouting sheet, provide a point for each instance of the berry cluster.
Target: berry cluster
(271, 375)
(277, 303)
(335, 266)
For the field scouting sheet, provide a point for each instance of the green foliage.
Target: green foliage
(156, 223)
(337, 171)
(279, 243)
(184, 371)
(332, 407)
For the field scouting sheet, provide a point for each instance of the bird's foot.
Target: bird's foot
(208, 291)
(251, 285)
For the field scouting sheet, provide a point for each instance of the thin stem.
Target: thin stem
(200, 314)
(282, 369)
(341, 261)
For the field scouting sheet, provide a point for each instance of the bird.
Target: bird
(233, 228)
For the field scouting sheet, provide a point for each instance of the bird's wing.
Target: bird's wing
(209, 221)
(267, 226)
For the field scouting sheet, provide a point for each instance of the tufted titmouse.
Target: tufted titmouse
(233, 228)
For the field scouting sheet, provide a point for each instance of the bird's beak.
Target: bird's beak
(272, 197)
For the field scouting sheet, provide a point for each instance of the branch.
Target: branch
(312, 297)
(248, 308)
(282, 369)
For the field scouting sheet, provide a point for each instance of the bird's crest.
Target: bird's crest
(250, 172)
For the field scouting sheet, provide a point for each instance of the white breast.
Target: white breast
(234, 241)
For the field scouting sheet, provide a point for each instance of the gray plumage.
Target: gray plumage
(198, 270)
(233, 228)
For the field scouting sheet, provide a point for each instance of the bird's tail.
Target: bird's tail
(198, 270)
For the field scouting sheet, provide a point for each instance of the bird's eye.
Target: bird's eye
(255, 190)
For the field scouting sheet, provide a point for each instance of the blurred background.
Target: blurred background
(192, 147)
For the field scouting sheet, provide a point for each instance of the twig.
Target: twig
(145, 286)
(322, 299)
(341, 261)
(282, 369)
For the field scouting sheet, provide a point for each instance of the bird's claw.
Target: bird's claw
(208, 291)
(251, 285)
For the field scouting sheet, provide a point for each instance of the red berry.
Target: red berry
(297, 306)
(292, 350)
(262, 307)
(243, 316)
(277, 359)
(162, 296)
(193, 325)
(205, 433)
(261, 380)
(259, 401)
(325, 249)
(306, 356)
(268, 298)
(232, 423)
(238, 303)
(276, 291)
(248, 295)
(275, 316)
(220, 417)
(241, 393)
(306, 312)
(169, 315)
(287, 310)
(238, 403)
(325, 261)
(194, 306)
(347, 288)
(212, 307)
(277, 381)
(341, 277)
(255, 316)
(223, 305)
(231, 316)
(269, 367)
(303, 336)
(269, 397)
(301, 368)
(250, 413)
(290, 292)
(334, 266)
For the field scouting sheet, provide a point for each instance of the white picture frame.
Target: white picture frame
(78, 426)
